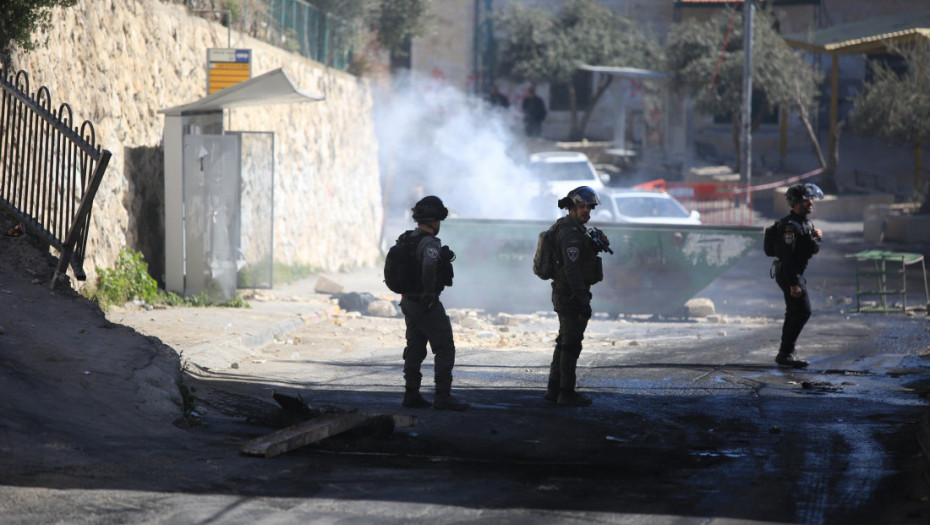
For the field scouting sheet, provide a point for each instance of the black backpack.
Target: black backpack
(546, 260)
(401, 268)
(771, 238)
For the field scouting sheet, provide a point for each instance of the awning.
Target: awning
(270, 88)
(866, 37)
(630, 72)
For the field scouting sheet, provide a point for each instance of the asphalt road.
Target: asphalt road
(692, 422)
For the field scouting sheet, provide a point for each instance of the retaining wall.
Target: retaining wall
(118, 62)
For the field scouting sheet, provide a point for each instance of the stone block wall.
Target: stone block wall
(118, 62)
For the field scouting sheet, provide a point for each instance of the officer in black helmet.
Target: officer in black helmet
(799, 240)
(579, 268)
(425, 316)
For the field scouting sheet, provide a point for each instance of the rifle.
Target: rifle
(598, 237)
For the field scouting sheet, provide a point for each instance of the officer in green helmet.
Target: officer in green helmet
(799, 240)
(579, 268)
(424, 315)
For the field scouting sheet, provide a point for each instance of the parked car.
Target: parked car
(564, 171)
(644, 207)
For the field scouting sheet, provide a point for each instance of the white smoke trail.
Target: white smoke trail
(436, 140)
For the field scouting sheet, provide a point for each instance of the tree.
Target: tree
(708, 61)
(391, 21)
(19, 19)
(896, 107)
(539, 48)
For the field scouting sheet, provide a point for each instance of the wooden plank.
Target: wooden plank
(317, 429)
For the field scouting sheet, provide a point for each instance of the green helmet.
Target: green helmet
(429, 208)
(580, 195)
(802, 192)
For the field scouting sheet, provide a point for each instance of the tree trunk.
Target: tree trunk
(573, 105)
(601, 89)
(802, 114)
(828, 183)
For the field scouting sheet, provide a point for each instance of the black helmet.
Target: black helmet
(801, 192)
(430, 208)
(580, 195)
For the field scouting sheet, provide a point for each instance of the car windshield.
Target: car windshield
(563, 171)
(643, 206)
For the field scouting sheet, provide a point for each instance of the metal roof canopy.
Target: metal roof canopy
(876, 36)
(866, 37)
(624, 72)
(273, 87)
(630, 72)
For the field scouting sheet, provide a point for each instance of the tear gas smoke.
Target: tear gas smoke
(436, 140)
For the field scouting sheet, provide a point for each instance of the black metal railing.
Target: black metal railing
(49, 169)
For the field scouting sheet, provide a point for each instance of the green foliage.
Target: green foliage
(893, 107)
(713, 75)
(233, 6)
(391, 21)
(542, 48)
(129, 280)
(20, 19)
(287, 274)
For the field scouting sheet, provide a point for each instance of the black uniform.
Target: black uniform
(534, 113)
(571, 298)
(797, 244)
(427, 323)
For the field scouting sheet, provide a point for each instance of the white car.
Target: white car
(565, 171)
(644, 207)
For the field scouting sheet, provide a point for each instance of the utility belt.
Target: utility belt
(415, 297)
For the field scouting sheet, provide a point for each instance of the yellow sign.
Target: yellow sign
(227, 67)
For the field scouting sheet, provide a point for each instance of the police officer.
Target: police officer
(798, 242)
(579, 268)
(425, 316)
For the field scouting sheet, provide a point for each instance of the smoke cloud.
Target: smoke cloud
(436, 140)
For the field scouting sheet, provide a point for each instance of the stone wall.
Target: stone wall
(118, 62)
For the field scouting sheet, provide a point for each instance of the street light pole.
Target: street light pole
(746, 124)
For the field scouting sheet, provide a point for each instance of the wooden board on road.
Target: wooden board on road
(316, 429)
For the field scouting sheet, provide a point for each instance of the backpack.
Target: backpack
(771, 238)
(401, 268)
(546, 260)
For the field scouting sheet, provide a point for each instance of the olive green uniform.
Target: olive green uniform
(580, 267)
(427, 322)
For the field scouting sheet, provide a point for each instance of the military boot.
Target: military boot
(567, 395)
(570, 398)
(789, 359)
(413, 399)
(445, 401)
(552, 388)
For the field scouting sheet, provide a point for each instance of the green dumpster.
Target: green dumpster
(655, 269)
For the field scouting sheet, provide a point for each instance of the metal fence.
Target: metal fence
(294, 25)
(49, 169)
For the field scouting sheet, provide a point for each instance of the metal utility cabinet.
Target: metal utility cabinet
(219, 192)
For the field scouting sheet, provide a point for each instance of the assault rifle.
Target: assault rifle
(598, 237)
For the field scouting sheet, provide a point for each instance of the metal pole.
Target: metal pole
(746, 124)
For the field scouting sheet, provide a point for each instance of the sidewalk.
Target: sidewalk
(218, 338)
